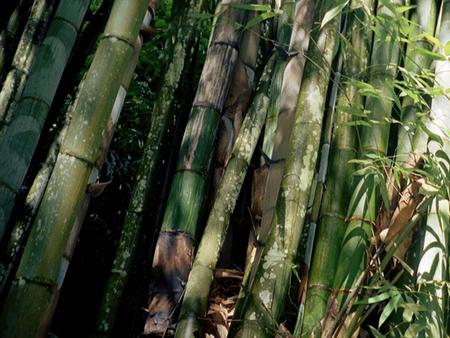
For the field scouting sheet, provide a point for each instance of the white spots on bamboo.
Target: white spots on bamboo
(308, 168)
(252, 316)
(266, 298)
(274, 256)
(21, 282)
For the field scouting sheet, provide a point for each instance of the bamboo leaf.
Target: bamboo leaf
(332, 13)
(375, 332)
(384, 194)
(430, 38)
(447, 48)
(378, 298)
(260, 18)
(251, 7)
(388, 309)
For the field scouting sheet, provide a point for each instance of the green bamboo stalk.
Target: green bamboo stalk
(282, 47)
(19, 139)
(202, 274)
(339, 181)
(9, 36)
(187, 192)
(186, 36)
(291, 81)
(423, 20)
(38, 280)
(263, 304)
(24, 57)
(432, 271)
(235, 107)
(11, 253)
(362, 209)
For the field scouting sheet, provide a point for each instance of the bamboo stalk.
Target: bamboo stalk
(163, 111)
(263, 304)
(21, 227)
(19, 139)
(424, 20)
(291, 81)
(186, 196)
(339, 181)
(432, 271)
(283, 48)
(290, 86)
(42, 267)
(236, 105)
(362, 209)
(9, 35)
(197, 289)
(24, 57)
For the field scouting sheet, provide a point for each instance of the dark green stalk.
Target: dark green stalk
(197, 289)
(32, 35)
(19, 139)
(362, 209)
(339, 181)
(9, 35)
(42, 267)
(186, 196)
(186, 36)
(21, 227)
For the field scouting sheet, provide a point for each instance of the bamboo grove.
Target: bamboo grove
(280, 169)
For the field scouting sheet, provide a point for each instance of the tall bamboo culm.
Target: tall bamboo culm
(291, 65)
(262, 302)
(42, 268)
(24, 57)
(432, 271)
(338, 190)
(9, 35)
(186, 36)
(186, 196)
(362, 210)
(197, 289)
(19, 138)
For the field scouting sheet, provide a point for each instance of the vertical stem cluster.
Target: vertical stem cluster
(24, 57)
(339, 181)
(185, 36)
(197, 289)
(432, 271)
(262, 306)
(20, 137)
(187, 192)
(42, 268)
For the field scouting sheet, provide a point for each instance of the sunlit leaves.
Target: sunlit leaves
(332, 13)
